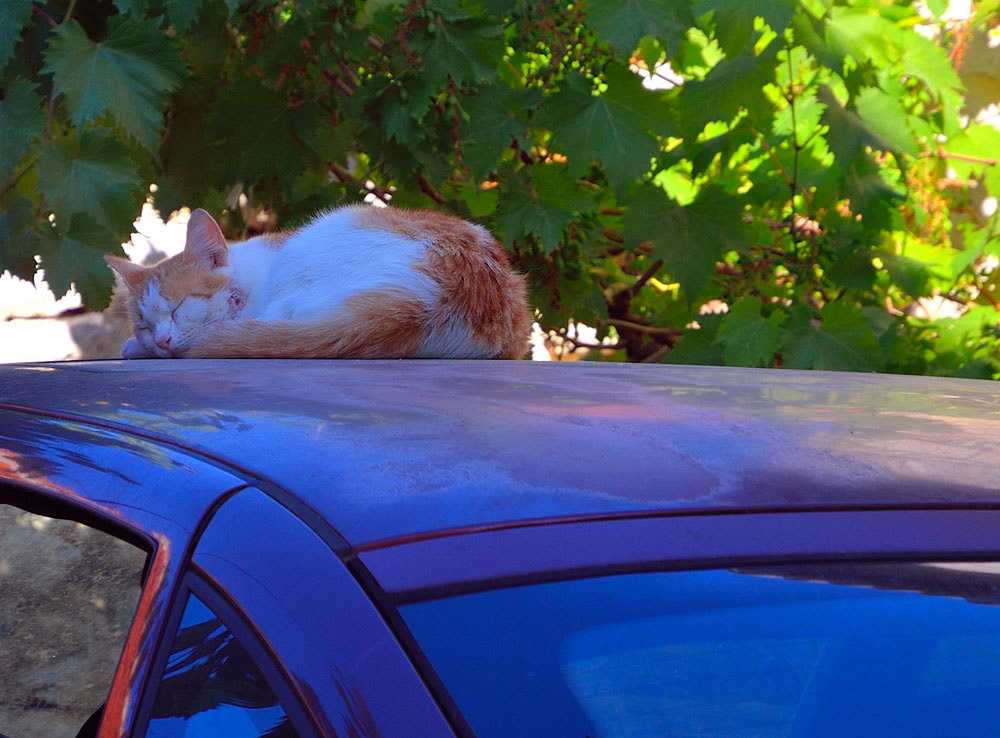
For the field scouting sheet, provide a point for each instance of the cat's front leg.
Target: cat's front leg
(132, 349)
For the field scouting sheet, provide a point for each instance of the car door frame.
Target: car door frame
(356, 676)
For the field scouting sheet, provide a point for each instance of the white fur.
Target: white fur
(322, 265)
(454, 341)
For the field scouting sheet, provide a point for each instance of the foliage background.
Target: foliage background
(799, 186)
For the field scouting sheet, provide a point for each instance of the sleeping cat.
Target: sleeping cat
(357, 282)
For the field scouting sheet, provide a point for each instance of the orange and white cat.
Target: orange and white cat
(357, 282)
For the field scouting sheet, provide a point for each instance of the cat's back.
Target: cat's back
(456, 269)
(357, 234)
(336, 255)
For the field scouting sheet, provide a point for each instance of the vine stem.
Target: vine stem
(793, 185)
(13, 183)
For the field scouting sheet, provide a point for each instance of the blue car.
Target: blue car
(495, 549)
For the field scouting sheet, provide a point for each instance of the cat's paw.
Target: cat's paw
(132, 349)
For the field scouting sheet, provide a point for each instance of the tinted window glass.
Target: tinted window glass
(721, 653)
(68, 594)
(211, 687)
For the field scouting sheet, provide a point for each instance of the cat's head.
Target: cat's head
(174, 301)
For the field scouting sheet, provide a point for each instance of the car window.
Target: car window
(68, 593)
(212, 687)
(886, 649)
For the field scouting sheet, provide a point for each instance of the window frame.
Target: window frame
(41, 501)
(247, 636)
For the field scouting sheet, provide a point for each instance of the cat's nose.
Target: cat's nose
(163, 343)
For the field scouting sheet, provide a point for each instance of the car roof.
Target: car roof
(396, 450)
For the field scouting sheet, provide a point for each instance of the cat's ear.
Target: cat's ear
(133, 274)
(205, 241)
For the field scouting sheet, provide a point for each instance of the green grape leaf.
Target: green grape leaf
(74, 257)
(734, 19)
(870, 194)
(21, 119)
(866, 36)
(623, 22)
(810, 33)
(467, 50)
(479, 201)
(690, 238)
(696, 346)
(182, 13)
(912, 275)
(841, 339)
(543, 206)
(733, 85)
(262, 135)
(128, 74)
(14, 15)
(749, 339)
(924, 59)
(134, 7)
(885, 117)
(495, 119)
(849, 134)
(93, 174)
(16, 238)
(400, 125)
(806, 119)
(853, 270)
(615, 126)
(191, 158)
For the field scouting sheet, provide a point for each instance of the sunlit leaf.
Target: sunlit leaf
(623, 22)
(733, 85)
(884, 116)
(734, 19)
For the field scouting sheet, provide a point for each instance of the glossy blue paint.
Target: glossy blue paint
(347, 666)
(450, 564)
(150, 488)
(401, 448)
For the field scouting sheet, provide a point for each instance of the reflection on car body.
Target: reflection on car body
(493, 549)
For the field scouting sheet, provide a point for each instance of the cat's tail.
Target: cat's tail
(384, 324)
(479, 290)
